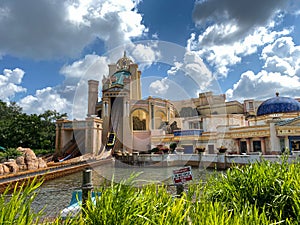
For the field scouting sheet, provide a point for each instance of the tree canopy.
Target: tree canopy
(21, 129)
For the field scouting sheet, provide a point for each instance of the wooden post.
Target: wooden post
(179, 190)
(87, 185)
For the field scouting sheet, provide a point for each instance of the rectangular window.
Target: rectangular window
(257, 146)
(250, 104)
(211, 149)
(243, 147)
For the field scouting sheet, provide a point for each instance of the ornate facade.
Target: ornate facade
(123, 121)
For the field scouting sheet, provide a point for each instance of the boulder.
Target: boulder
(13, 166)
(28, 161)
(29, 155)
(33, 164)
(20, 149)
(42, 163)
(1, 170)
(21, 163)
(5, 169)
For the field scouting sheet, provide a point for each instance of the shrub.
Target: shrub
(273, 188)
(16, 209)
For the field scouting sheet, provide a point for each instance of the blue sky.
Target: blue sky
(244, 49)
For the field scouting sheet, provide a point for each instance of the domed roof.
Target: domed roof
(124, 62)
(278, 105)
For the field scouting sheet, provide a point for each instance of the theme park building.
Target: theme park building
(124, 122)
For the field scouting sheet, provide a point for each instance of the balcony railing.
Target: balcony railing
(193, 132)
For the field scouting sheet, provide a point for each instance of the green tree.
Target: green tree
(20, 129)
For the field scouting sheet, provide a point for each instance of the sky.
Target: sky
(49, 49)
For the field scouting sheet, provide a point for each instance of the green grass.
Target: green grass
(17, 209)
(260, 193)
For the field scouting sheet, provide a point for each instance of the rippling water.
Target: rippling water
(56, 194)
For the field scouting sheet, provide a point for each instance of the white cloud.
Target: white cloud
(185, 79)
(43, 100)
(145, 54)
(264, 84)
(222, 57)
(159, 87)
(232, 29)
(9, 83)
(231, 20)
(71, 96)
(45, 29)
(280, 73)
(90, 67)
(193, 67)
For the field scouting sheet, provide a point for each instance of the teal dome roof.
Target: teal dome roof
(278, 105)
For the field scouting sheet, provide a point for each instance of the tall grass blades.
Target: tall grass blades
(15, 208)
(271, 187)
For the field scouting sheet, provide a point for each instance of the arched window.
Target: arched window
(139, 120)
(160, 117)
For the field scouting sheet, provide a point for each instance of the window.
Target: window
(256, 146)
(251, 106)
(243, 147)
(196, 125)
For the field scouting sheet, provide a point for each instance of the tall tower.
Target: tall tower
(119, 88)
(92, 96)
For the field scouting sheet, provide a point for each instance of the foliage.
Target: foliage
(123, 203)
(260, 193)
(42, 152)
(173, 146)
(17, 209)
(273, 188)
(154, 150)
(20, 129)
(12, 153)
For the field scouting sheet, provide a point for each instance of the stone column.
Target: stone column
(248, 145)
(287, 143)
(92, 97)
(237, 142)
(263, 145)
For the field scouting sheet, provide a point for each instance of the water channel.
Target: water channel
(55, 195)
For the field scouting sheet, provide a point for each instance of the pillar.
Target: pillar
(92, 96)
(248, 145)
(263, 145)
(237, 142)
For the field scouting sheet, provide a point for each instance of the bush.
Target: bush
(154, 150)
(273, 188)
(260, 193)
(42, 152)
(173, 146)
(12, 153)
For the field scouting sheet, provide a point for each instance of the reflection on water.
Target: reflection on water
(56, 194)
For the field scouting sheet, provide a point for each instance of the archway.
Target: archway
(160, 117)
(139, 120)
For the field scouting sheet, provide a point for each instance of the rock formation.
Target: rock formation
(27, 161)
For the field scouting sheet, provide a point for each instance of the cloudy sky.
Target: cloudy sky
(50, 48)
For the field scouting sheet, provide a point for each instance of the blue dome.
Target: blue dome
(278, 105)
